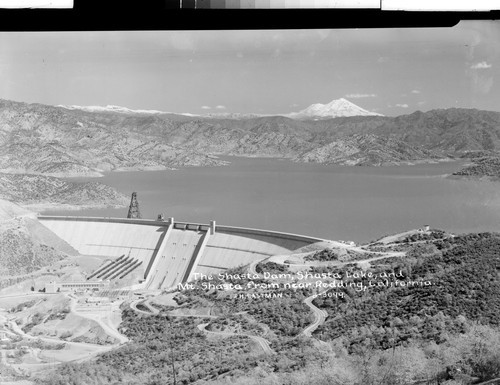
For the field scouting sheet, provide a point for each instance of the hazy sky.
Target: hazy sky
(391, 71)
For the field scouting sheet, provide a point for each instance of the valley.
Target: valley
(80, 142)
(284, 206)
(39, 144)
(80, 305)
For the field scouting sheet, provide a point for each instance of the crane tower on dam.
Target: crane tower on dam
(133, 210)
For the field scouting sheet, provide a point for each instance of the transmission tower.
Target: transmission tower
(133, 210)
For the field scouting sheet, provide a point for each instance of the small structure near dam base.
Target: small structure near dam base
(55, 287)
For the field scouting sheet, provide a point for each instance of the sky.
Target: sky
(389, 71)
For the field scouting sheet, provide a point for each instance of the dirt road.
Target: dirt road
(319, 316)
(263, 343)
(103, 320)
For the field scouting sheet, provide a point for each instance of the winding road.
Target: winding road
(152, 309)
(263, 343)
(105, 323)
(77, 351)
(84, 347)
(252, 266)
(319, 315)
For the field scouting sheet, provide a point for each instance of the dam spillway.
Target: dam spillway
(174, 261)
(168, 253)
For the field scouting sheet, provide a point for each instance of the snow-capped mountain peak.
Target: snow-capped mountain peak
(334, 109)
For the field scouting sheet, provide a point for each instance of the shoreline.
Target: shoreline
(473, 178)
(99, 173)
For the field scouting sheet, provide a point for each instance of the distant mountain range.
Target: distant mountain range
(63, 141)
(111, 108)
(334, 109)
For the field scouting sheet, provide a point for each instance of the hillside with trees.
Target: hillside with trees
(444, 332)
(464, 286)
(485, 166)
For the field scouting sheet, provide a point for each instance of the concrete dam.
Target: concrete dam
(162, 254)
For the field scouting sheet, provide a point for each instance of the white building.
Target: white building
(54, 287)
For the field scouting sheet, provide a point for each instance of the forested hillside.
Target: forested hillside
(445, 331)
(465, 286)
(484, 166)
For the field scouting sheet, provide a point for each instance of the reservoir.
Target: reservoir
(332, 202)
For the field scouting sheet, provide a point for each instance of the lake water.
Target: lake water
(332, 202)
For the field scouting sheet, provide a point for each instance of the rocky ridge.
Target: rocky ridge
(69, 142)
(365, 150)
(25, 244)
(36, 191)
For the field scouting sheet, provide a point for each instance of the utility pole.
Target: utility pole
(170, 353)
(172, 362)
